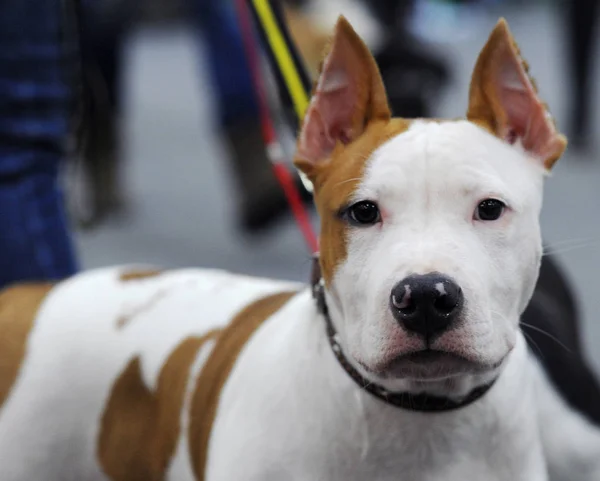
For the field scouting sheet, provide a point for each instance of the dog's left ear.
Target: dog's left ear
(504, 99)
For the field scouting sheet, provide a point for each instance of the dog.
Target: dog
(404, 360)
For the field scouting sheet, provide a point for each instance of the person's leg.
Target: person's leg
(582, 18)
(36, 60)
(104, 27)
(260, 198)
(224, 48)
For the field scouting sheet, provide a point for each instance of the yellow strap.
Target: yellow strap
(283, 56)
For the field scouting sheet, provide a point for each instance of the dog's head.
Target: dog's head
(430, 241)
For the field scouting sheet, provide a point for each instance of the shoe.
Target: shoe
(261, 200)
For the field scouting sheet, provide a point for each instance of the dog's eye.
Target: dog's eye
(363, 213)
(489, 209)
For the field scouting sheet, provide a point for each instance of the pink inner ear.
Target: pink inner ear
(328, 120)
(330, 114)
(527, 118)
(335, 105)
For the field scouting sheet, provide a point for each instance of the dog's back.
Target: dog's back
(96, 379)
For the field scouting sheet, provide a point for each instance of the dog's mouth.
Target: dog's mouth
(430, 365)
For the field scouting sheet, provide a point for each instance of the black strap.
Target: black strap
(404, 400)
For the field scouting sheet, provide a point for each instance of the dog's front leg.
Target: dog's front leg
(571, 443)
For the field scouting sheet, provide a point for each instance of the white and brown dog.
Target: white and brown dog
(404, 361)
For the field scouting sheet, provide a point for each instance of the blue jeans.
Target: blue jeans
(36, 61)
(230, 71)
(105, 29)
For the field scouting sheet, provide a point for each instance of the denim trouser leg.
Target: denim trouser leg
(236, 98)
(217, 24)
(36, 63)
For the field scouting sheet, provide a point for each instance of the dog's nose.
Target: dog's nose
(426, 304)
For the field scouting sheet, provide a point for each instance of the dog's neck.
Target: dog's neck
(354, 425)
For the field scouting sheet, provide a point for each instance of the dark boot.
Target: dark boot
(261, 200)
(99, 156)
(103, 30)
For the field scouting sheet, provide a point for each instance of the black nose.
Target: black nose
(426, 304)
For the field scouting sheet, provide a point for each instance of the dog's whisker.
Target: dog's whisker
(542, 331)
(577, 242)
(566, 244)
(572, 240)
(353, 179)
(535, 344)
(568, 248)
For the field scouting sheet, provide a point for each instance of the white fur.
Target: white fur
(289, 411)
(309, 421)
(50, 422)
(428, 183)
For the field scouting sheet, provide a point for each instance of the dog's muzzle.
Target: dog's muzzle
(413, 402)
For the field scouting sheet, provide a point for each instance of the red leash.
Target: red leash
(274, 149)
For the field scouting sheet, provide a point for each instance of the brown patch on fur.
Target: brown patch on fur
(336, 177)
(124, 320)
(216, 371)
(140, 428)
(19, 306)
(485, 108)
(335, 183)
(135, 275)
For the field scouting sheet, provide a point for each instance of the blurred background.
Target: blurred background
(172, 174)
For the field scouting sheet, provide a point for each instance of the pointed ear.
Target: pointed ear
(504, 99)
(348, 95)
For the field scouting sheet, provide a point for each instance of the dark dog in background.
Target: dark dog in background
(551, 327)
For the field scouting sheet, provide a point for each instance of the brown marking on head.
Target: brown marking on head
(348, 118)
(134, 275)
(19, 306)
(337, 184)
(140, 428)
(503, 99)
(216, 370)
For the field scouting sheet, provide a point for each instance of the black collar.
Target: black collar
(404, 400)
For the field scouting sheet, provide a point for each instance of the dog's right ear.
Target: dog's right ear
(348, 95)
